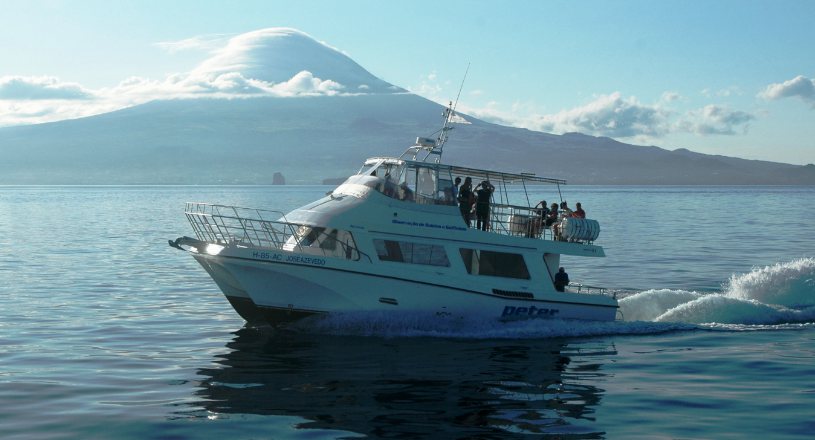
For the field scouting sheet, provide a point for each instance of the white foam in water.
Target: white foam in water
(782, 293)
(789, 284)
(650, 304)
(773, 297)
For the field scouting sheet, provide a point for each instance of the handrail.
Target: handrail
(522, 221)
(591, 290)
(518, 220)
(234, 225)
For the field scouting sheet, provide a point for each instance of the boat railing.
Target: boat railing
(517, 220)
(523, 221)
(265, 229)
(590, 290)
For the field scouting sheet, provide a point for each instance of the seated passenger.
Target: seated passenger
(406, 193)
(536, 222)
(389, 187)
(579, 212)
(564, 209)
(551, 216)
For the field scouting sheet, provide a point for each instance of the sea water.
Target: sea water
(107, 332)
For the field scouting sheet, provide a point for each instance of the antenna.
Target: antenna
(448, 114)
(462, 86)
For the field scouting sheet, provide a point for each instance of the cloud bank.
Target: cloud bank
(609, 115)
(32, 100)
(616, 116)
(713, 120)
(798, 87)
(40, 88)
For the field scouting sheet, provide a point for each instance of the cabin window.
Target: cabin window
(497, 264)
(413, 253)
(426, 184)
(445, 194)
(323, 241)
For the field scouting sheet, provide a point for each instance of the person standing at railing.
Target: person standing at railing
(465, 200)
(482, 207)
(454, 189)
(561, 280)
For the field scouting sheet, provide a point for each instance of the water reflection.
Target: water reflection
(411, 387)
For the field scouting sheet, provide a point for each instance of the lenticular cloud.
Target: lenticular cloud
(279, 55)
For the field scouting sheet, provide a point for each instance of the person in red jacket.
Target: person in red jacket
(579, 212)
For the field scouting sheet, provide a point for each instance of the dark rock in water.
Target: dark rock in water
(278, 179)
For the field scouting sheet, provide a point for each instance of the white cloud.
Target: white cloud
(200, 42)
(609, 115)
(429, 88)
(669, 97)
(722, 93)
(32, 100)
(264, 54)
(715, 120)
(800, 86)
(40, 87)
(304, 83)
(618, 117)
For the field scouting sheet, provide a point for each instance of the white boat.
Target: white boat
(392, 238)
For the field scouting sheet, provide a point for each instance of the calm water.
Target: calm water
(107, 332)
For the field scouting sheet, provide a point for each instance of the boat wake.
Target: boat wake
(773, 295)
(781, 296)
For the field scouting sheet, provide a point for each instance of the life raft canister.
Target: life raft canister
(580, 229)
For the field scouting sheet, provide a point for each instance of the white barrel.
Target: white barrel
(579, 229)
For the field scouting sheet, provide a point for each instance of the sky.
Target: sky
(735, 78)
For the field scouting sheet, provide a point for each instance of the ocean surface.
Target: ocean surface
(107, 332)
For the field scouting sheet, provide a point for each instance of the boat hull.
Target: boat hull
(277, 292)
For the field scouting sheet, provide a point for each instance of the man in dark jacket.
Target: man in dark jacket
(483, 192)
(561, 280)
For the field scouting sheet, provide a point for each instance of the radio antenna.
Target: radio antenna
(462, 86)
(448, 114)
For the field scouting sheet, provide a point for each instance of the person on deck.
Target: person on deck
(454, 189)
(552, 216)
(561, 280)
(452, 194)
(483, 194)
(565, 211)
(579, 212)
(533, 228)
(465, 200)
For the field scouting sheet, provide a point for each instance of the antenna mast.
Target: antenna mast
(434, 147)
(449, 114)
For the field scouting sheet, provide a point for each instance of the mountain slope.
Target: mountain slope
(308, 139)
